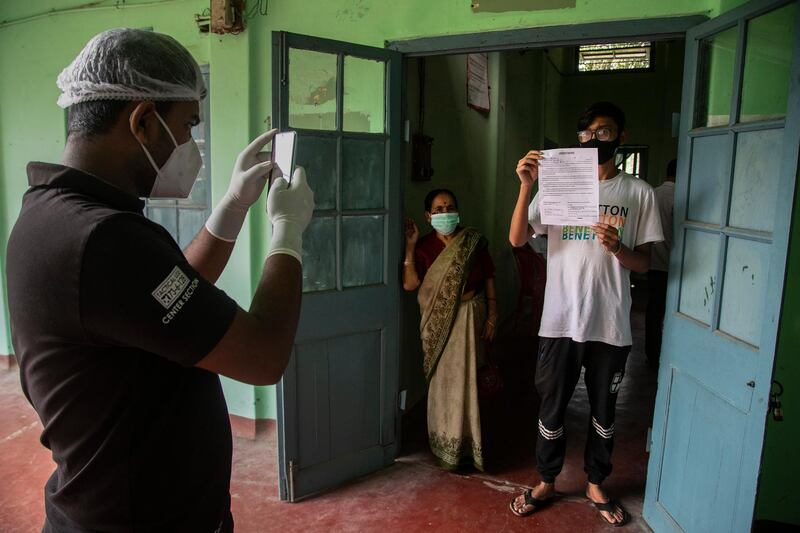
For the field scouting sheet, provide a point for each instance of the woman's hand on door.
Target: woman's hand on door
(412, 232)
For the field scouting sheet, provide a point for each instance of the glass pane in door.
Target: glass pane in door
(364, 95)
(746, 270)
(312, 90)
(698, 275)
(767, 65)
(707, 177)
(319, 255)
(715, 79)
(363, 173)
(315, 155)
(190, 222)
(755, 179)
(362, 250)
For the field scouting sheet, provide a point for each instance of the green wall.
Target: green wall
(33, 52)
(37, 42)
(780, 468)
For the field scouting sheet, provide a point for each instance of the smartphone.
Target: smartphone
(284, 146)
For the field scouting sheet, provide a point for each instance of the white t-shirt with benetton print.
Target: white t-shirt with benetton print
(588, 291)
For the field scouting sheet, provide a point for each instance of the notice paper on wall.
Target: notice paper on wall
(569, 191)
(478, 81)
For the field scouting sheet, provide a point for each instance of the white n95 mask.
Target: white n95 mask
(176, 176)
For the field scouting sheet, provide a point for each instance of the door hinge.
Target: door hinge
(290, 473)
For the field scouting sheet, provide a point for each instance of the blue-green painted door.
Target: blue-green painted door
(337, 401)
(738, 159)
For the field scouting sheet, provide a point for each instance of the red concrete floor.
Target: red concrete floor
(413, 494)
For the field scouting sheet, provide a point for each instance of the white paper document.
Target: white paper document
(569, 192)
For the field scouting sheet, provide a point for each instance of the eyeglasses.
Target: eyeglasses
(601, 134)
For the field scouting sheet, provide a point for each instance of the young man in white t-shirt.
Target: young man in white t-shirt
(586, 316)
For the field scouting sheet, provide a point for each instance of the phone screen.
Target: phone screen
(283, 148)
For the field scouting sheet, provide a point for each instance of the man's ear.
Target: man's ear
(143, 122)
(428, 217)
(623, 137)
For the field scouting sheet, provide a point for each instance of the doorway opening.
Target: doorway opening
(535, 97)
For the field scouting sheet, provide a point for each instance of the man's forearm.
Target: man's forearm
(410, 278)
(517, 234)
(633, 259)
(208, 255)
(276, 305)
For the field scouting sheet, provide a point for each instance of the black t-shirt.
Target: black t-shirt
(107, 320)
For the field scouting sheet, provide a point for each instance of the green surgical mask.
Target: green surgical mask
(445, 223)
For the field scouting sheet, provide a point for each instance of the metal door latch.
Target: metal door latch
(775, 402)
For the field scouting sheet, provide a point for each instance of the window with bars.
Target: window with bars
(633, 160)
(184, 218)
(615, 57)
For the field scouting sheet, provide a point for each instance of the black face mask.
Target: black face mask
(605, 149)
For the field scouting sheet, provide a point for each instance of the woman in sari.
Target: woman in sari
(454, 272)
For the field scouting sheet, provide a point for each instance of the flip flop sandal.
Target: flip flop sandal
(536, 503)
(610, 507)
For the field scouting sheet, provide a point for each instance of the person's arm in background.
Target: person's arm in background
(490, 329)
(210, 250)
(411, 279)
(528, 173)
(257, 346)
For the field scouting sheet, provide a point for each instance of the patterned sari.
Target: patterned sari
(452, 347)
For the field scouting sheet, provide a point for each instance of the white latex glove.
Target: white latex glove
(290, 208)
(250, 173)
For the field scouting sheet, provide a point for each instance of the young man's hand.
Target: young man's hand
(528, 167)
(609, 237)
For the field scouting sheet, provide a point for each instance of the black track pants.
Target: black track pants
(557, 372)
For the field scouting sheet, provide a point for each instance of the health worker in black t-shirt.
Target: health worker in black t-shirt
(120, 335)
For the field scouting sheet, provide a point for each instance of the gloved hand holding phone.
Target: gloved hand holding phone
(289, 208)
(249, 176)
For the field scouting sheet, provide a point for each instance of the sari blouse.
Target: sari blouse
(428, 249)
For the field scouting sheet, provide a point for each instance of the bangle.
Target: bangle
(408, 262)
(618, 250)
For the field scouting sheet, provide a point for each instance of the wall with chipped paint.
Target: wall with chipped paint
(32, 127)
(38, 43)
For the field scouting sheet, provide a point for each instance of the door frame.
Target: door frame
(648, 29)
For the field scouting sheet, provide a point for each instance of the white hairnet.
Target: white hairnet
(130, 65)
